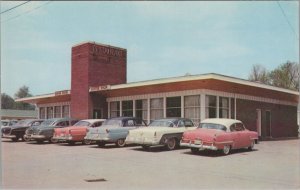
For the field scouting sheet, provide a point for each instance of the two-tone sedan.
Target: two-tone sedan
(77, 132)
(114, 130)
(44, 132)
(162, 132)
(17, 131)
(219, 134)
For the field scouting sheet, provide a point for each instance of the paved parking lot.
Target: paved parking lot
(272, 165)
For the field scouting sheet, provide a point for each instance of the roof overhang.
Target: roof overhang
(58, 96)
(191, 78)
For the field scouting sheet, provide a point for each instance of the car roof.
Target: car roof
(93, 120)
(122, 118)
(222, 121)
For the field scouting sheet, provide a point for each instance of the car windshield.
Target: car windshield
(161, 123)
(22, 122)
(48, 122)
(115, 122)
(82, 123)
(4, 123)
(212, 126)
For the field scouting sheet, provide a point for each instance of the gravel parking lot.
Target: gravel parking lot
(272, 165)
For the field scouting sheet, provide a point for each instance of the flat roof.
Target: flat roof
(197, 77)
(96, 43)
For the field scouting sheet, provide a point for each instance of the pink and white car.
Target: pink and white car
(219, 134)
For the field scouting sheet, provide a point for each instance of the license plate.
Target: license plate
(198, 142)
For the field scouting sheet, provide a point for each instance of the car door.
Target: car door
(244, 135)
(236, 136)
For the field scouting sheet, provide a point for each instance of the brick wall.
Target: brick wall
(94, 65)
(283, 118)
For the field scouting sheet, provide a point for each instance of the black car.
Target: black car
(45, 131)
(17, 131)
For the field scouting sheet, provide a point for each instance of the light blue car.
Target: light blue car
(114, 130)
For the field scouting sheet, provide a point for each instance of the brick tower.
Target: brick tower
(94, 65)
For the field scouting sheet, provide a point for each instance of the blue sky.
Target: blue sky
(163, 39)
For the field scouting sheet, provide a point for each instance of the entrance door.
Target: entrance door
(268, 123)
(97, 114)
(258, 121)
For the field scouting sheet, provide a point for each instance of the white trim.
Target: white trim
(201, 77)
(54, 104)
(218, 107)
(203, 91)
(148, 110)
(182, 106)
(229, 104)
(202, 107)
(165, 106)
(133, 109)
(108, 109)
(120, 114)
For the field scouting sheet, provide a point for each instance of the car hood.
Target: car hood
(42, 127)
(203, 134)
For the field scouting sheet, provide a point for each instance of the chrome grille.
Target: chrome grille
(6, 130)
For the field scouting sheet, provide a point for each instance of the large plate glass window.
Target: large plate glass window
(173, 106)
(66, 111)
(141, 109)
(210, 106)
(192, 108)
(42, 113)
(156, 108)
(127, 108)
(57, 111)
(223, 107)
(114, 109)
(49, 112)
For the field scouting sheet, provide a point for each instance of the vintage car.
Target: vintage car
(162, 132)
(77, 132)
(7, 123)
(44, 132)
(17, 131)
(114, 130)
(219, 134)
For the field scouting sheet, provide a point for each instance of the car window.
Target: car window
(139, 122)
(97, 124)
(188, 123)
(36, 123)
(73, 122)
(63, 123)
(237, 127)
(180, 123)
(129, 123)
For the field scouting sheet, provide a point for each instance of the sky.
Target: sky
(163, 39)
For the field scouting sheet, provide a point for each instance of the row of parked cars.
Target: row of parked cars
(213, 134)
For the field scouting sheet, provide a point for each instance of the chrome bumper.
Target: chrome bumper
(142, 141)
(97, 138)
(63, 138)
(37, 137)
(200, 146)
(9, 136)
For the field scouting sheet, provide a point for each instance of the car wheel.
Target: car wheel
(145, 147)
(171, 144)
(86, 142)
(53, 140)
(226, 149)
(251, 145)
(120, 143)
(195, 150)
(101, 144)
(26, 139)
(71, 143)
(15, 139)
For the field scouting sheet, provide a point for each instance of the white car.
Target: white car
(163, 132)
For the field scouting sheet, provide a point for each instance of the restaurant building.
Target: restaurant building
(99, 89)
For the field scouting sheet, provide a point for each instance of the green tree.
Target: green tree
(7, 102)
(286, 76)
(259, 74)
(23, 92)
